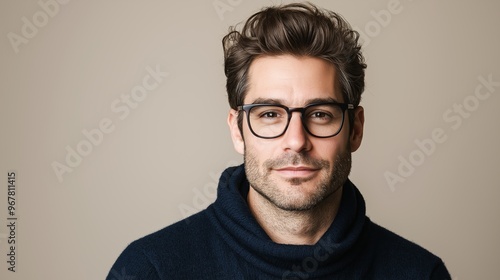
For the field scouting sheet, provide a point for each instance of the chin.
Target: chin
(298, 198)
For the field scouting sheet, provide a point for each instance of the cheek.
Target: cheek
(259, 149)
(329, 149)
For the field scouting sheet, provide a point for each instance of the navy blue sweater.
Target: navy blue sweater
(224, 241)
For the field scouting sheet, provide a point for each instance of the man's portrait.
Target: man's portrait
(234, 139)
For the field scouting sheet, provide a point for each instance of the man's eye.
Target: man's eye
(269, 115)
(321, 115)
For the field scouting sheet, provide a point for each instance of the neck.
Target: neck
(294, 227)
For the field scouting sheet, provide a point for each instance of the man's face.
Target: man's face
(295, 171)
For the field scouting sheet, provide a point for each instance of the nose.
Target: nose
(296, 137)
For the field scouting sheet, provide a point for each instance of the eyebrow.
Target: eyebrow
(270, 101)
(273, 101)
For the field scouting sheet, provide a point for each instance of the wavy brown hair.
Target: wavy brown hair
(299, 29)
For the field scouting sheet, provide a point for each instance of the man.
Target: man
(295, 75)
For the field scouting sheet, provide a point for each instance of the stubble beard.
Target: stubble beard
(330, 181)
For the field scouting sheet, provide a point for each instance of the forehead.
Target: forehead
(295, 80)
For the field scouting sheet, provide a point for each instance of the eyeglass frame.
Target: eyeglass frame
(289, 110)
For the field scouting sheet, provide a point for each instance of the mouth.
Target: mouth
(296, 171)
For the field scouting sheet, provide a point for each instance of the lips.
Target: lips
(296, 171)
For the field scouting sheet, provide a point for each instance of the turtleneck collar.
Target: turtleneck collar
(237, 227)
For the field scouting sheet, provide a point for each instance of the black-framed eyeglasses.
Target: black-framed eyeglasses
(321, 120)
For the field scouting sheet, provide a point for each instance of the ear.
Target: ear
(232, 122)
(357, 130)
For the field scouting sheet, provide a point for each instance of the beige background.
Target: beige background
(162, 160)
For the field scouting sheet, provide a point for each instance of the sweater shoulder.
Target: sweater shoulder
(172, 248)
(396, 244)
(189, 230)
(402, 257)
